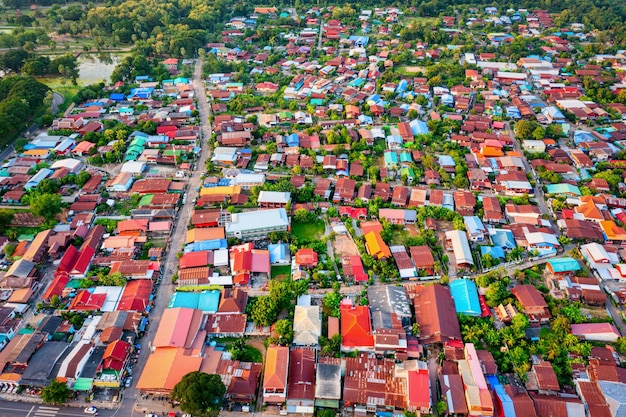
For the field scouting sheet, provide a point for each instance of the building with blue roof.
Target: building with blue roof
(293, 140)
(359, 41)
(117, 96)
(391, 158)
(563, 265)
(37, 178)
(419, 127)
(143, 93)
(206, 245)
(279, 253)
(207, 301)
(402, 86)
(143, 78)
(505, 402)
(465, 297)
(503, 238)
(495, 251)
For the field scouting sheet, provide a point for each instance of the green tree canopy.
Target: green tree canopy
(56, 392)
(262, 310)
(200, 394)
(45, 205)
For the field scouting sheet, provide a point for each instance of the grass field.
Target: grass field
(281, 272)
(308, 231)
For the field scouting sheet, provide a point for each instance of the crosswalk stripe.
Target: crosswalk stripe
(42, 407)
(47, 412)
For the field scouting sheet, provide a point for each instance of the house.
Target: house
(563, 266)
(253, 225)
(274, 199)
(328, 382)
(456, 241)
(301, 387)
(542, 378)
(535, 307)
(423, 259)
(465, 296)
(307, 325)
(419, 389)
(306, 258)
(436, 314)
(476, 231)
(376, 247)
(373, 383)
(465, 202)
(596, 332)
(275, 375)
(356, 327)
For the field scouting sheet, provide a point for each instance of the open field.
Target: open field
(308, 231)
(281, 272)
(344, 246)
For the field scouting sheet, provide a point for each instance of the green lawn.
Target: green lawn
(281, 272)
(308, 231)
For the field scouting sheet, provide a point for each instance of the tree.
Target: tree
(263, 310)
(45, 205)
(200, 394)
(284, 331)
(620, 345)
(332, 301)
(56, 392)
(115, 280)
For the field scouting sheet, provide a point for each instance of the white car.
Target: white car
(151, 415)
(90, 410)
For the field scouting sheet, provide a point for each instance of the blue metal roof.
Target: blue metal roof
(209, 301)
(206, 245)
(184, 299)
(465, 297)
(505, 401)
(495, 251)
(564, 264)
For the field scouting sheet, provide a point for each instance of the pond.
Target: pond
(94, 68)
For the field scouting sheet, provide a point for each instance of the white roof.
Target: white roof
(220, 257)
(249, 178)
(596, 251)
(541, 237)
(307, 325)
(260, 219)
(68, 163)
(221, 280)
(113, 296)
(460, 246)
(274, 197)
(134, 167)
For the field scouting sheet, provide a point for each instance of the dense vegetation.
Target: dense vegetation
(20, 99)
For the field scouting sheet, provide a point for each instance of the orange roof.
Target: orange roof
(612, 231)
(21, 295)
(371, 226)
(589, 210)
(165, 368)
(356, 326)
(376, 246)
(491, 151)
(206, 233)
(276, 364)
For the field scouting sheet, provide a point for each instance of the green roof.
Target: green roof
(83, 384)
(73, 283)
(4, 173)
(408, 171)
(170, 152)
(25, 237)
(26, 330)
(562, 189)
(146, 200)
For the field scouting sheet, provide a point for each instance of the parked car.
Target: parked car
(90, 410)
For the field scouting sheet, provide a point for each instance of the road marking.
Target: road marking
(30, 411)
(41, 407)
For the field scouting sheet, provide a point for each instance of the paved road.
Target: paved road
(176, 243)
(539, 197)
(57, 100)
(12, 409)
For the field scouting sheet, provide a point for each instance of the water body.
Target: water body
(94, 68)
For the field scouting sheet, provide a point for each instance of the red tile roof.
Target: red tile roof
(136, 295)
(356, 326)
